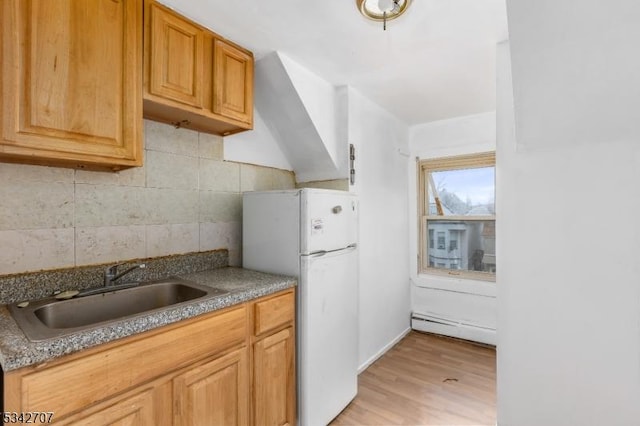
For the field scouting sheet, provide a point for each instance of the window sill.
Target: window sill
(460, 284)
(460, 274)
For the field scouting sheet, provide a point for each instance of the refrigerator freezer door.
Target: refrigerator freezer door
(329, 220)
(327, 335)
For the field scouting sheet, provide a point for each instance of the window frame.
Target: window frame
(425, 166)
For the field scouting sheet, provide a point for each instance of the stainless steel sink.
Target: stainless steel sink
(49, 318)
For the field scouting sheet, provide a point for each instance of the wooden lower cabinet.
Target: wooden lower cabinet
(215, 369)
(216, 393)
(143, 408)
(137, 410)
(274, 379)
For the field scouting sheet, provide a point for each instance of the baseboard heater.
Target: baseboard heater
(450, 328)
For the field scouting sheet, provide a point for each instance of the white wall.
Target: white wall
(326, 106)
(575, 58)
(306, 115)
(455, 136)
(381, 185)
(470, 305)
(256, 146)
(568, 199)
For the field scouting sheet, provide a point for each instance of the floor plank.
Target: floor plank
(427, 380)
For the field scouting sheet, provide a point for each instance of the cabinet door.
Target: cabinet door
(177, 50)
(216, 393)
(71, 81)
(274, 379)
(138, 410)
(232, 82)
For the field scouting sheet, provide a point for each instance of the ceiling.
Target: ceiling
(437, 61)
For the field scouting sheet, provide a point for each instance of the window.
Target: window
(457, 202)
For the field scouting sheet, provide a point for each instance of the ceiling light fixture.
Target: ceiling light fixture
(382, 10)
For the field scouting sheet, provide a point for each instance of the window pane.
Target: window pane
(463, 245)
(465, 192)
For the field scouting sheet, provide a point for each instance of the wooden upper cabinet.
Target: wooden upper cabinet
(232, 82)
(71, 82)
(193, 78)
(177, 52)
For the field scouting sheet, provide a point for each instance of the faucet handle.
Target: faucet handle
(126, 271)
(111, 270)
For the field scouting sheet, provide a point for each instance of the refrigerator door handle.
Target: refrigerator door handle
(319, 253)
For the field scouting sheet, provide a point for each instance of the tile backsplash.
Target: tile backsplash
(185, 199)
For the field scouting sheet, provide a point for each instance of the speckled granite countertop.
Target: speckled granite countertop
(16, 351)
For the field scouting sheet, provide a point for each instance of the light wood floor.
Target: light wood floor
(427, 380)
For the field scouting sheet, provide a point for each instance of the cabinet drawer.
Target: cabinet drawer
(274, 312)
(123, 365)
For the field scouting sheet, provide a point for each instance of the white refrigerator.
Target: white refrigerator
(312, 234)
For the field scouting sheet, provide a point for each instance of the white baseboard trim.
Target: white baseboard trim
(452, 329)
(382, 351)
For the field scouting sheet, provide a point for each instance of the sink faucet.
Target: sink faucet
(111, 273)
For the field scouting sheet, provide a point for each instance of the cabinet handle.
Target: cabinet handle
(179, 124)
